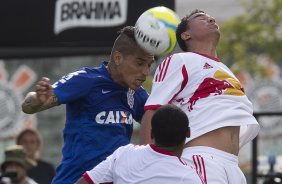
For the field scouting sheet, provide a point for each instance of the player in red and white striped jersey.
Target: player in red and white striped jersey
(220, 114)
(155, 163)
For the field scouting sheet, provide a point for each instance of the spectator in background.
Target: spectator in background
(44, 172)
(16, 164)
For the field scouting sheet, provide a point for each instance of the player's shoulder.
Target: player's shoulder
(134, 146)
(129, 151)
(129, 148)
(186, 55)
(91, 71)
(84, 72)
(178, 59)
(141, 92)
(98, 73)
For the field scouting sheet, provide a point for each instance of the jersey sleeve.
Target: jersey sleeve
(103, 172)
(72, 86)
(170, 79)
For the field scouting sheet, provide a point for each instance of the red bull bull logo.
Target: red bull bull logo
(222, 83)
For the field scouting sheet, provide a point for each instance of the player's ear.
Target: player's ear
(188, 134)
(185, 36)
(118, 57)
(152, 135)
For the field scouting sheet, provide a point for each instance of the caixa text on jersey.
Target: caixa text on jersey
(108, 117)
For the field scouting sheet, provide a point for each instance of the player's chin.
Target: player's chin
(138, 83)
(135, 86)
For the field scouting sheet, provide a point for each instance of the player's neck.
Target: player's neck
(207, 48)
(175, 150)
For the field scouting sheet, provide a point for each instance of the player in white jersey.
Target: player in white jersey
(220, 114)
(154, 163)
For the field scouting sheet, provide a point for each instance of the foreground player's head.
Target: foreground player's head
(196, 27)
(170, 126)
(129, 64)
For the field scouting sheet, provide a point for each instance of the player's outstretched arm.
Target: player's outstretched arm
(43, 98)
(145, 129)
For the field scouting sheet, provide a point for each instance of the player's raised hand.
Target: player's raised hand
(42, 98)
(44, 90)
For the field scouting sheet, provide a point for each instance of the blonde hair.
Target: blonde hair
(38, 139)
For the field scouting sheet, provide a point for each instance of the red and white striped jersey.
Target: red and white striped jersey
(142, 164)
(207, 91)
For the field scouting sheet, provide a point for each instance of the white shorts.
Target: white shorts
(214, 166)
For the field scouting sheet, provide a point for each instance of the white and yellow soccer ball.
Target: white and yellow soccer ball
(155, 30)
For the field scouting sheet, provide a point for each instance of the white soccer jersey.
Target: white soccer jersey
(142, 164)
(207, 91)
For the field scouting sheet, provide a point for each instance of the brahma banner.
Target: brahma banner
(89, 13)
(71, 23)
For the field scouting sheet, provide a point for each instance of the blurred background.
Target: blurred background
(54, 37)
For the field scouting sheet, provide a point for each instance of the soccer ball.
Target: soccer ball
(155, 30)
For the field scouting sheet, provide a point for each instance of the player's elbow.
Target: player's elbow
(30, 103)
(27, 110)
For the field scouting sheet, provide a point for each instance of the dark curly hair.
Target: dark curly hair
(183, 26)
(169, 126)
